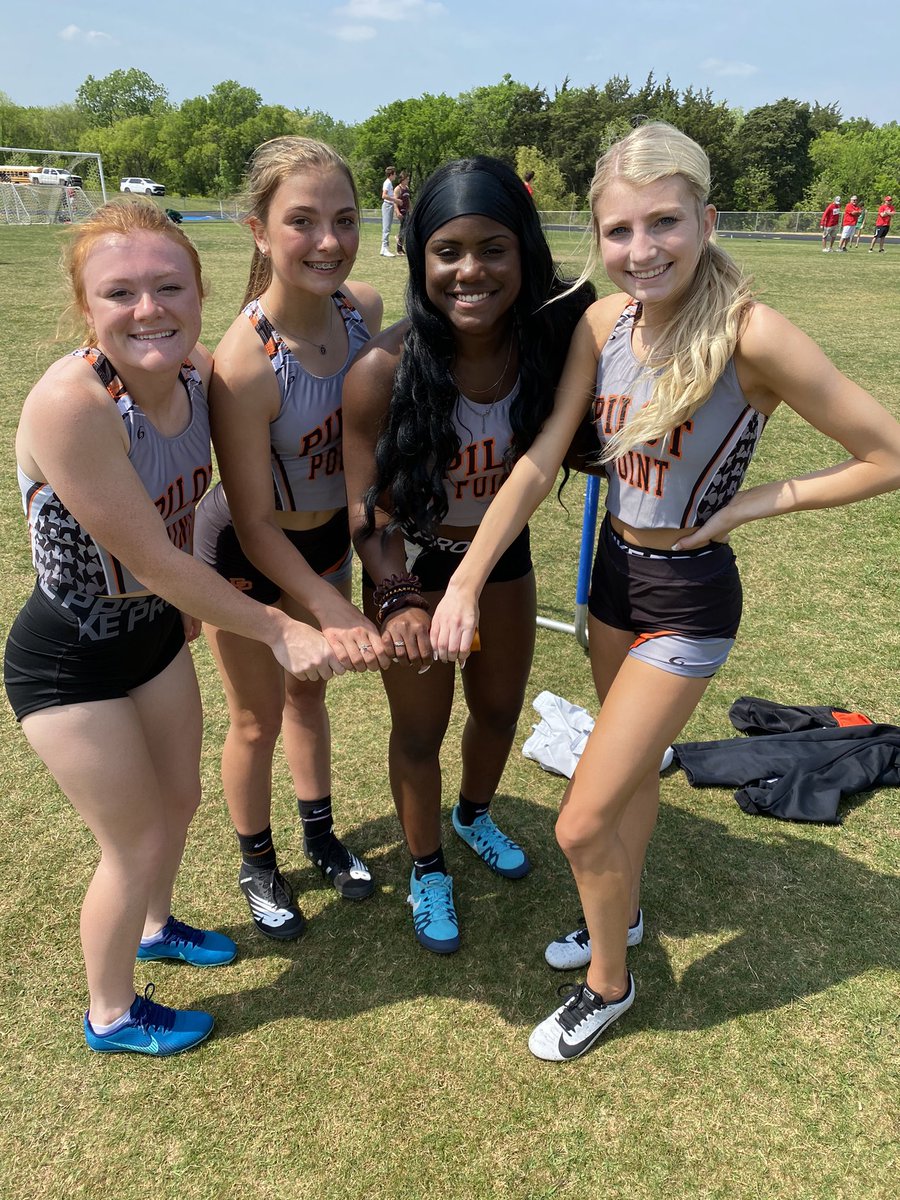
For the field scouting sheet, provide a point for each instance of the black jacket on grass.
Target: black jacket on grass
(798, 775)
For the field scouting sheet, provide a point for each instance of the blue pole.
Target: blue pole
(585, 561)
(586, 557)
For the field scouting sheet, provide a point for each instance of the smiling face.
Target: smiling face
(651, 236)
(473, 272)
(311, 231)
(141, 300)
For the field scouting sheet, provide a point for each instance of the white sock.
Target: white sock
(117, 1024)
(152, 938)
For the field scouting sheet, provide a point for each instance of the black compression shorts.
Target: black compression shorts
(86, 648)
(326, 548)
(694, 593)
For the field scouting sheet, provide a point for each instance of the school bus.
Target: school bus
(16, 174)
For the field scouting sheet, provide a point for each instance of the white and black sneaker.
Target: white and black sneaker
(271, 903)
(576, 1025)
(349, 875)
(572, 951)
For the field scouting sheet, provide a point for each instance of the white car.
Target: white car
(144, 186)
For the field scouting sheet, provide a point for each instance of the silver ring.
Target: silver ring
(398, 644)
(365, 646)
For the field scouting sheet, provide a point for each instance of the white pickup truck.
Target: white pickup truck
(56, 176)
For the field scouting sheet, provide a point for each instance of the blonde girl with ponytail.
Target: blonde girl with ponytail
(678, 372)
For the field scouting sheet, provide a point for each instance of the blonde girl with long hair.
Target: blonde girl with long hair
(679, 372)
(276, 526)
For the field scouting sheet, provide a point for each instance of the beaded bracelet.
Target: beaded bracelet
(396, 585)
(398, 603)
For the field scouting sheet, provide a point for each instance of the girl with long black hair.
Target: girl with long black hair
(436, 411)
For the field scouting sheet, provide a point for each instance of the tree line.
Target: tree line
(787, 155)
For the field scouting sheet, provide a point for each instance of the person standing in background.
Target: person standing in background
(848, 228)
(402, 203)
(860, 221)
(882, 224)
(388, 207)
(829, 223)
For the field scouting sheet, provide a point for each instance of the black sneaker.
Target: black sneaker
(271, 903)
(348, 874)
(577, 1024)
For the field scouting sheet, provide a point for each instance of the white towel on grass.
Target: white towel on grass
(558, 739)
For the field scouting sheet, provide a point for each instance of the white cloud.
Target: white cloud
(72, 33)
(355, 33)
(721, 66)
(388, 10)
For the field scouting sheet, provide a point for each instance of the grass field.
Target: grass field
(760, 1060)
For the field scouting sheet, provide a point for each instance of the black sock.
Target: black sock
(257, 850)
(430, 863)
(315, 816)
(467, 811)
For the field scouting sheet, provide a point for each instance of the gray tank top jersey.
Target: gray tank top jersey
(174, 470)
(307, 458)
(475, 474)
(683, 479)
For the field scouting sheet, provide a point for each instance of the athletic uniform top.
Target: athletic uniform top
(476, 472)
(885, 212)
(307, 458)
(174, 470)
(684, 478)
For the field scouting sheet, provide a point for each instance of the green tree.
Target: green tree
(848, 162)
(753, 191)
(823, 117)
(775, 139)
(712, 125)
(129, 147)
(576, 120)
(417, 134)
(499, 118)
(317, 124)
(550, 192)
(130, 93)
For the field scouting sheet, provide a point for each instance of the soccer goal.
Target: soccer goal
(46, 187)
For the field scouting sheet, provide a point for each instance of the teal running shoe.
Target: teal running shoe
(152, 1029)
(492, 846)
(199, 947)
(434, 917)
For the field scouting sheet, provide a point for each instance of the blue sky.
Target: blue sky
(349, 57)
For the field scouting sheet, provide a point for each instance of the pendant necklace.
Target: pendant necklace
(486, 410)
(322, 347)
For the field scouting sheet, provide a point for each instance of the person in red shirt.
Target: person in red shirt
(848, 225)
(829, 223)
(882, 224)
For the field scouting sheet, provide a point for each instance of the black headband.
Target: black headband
(465, 194)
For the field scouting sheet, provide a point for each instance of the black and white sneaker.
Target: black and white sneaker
(573, 951)
(271, 903)
(577, 1024)
(349, 875)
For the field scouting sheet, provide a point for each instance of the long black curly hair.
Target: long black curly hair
(418, 439)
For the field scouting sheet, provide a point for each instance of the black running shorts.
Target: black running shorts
(78, 649)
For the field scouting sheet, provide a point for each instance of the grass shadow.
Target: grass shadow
(734, 925)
